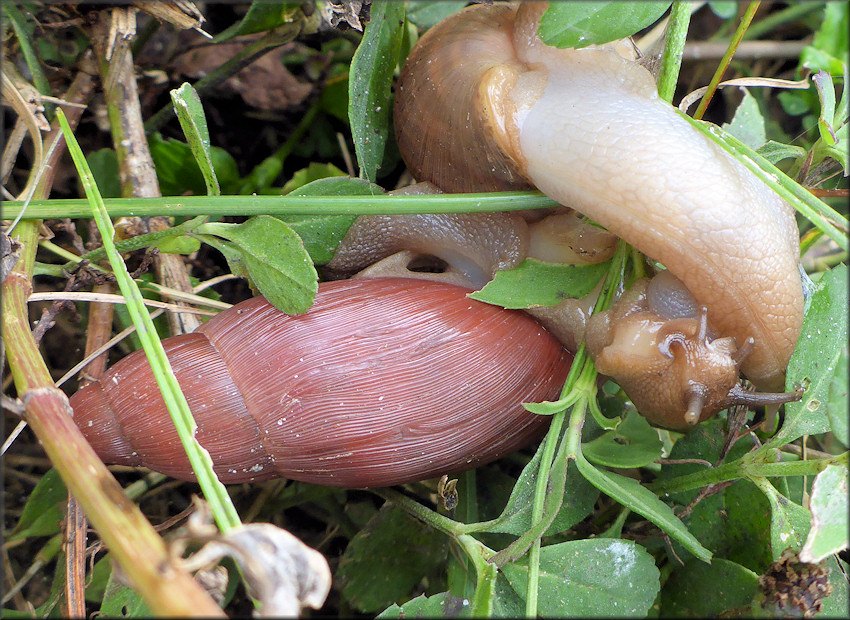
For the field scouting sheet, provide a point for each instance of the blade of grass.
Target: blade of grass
(215, 492)
(190, 113)
(34, 65)
(727, 57)
(671, 59)
(825, 218)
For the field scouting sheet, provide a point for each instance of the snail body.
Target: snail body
(587, 128)
(390, 380)
(383, 381)
(656, 342)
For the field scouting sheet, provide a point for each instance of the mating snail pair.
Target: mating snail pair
(391, 380)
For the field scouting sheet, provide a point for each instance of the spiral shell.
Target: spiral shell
(443, 127)
(383, 381)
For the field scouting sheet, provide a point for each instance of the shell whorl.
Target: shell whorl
(384, 381)
(471, 43)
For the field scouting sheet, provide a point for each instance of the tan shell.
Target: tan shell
(440, 113)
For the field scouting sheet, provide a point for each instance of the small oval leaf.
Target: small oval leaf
(579, 24)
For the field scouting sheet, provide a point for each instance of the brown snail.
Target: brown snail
(482, 98)
(383, 381)
(578, 124)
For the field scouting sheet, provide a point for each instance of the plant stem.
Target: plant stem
(122, 527)
(541, 486)
(727, 58)
(217, 206)
(748, 466)
(126, 245)
(214, 491)
(447, 526)
(671, 60)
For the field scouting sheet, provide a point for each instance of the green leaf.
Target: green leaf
(748, 123)
(322, 233)
(826, 96)
(507, 603)
(98, 579)
(816, 359)
(119, 601)
(734, 523)
(591, 578)
(794, 102)
(262, 16)
(774, 151)
(818, 60)
(829, 515)
(724, 8)
(190, 113)
(552, 503)
(836, 605)
(334, 98)
(832, 36)
(579, 497)
(838, 400)
(631, 494)
(178, 172)
(829, 48)
(707, 590)
(426, 13)
(634, 443)
(104, 168)
(44, 510)
(14, 613)
(180, 244)
(442, 605)
(789, 522)
(579, 24)
(535, 283)
(271, 254)
(370, 81)
(387, 559)
(313, 172)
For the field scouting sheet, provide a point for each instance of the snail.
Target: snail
(396, 401)
(482, 104)
(655, 340)
(383, 381)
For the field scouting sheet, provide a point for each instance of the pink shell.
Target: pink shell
(383, 381)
